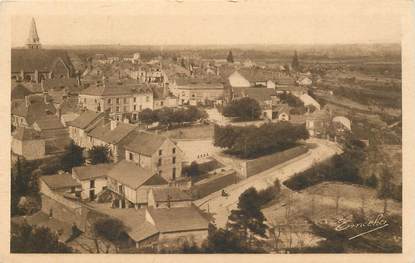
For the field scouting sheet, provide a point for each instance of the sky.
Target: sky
(217, 22)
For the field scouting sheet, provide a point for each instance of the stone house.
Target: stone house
(156, 153)
(84, 123)
(28, 143)
(93, 179)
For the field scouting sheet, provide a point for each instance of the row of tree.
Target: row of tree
(169, 116)
(252, 141)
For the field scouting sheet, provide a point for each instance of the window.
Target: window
(174, 173)
(125, 100)
(174, 150)
(147, 98)
(174, 160)
(117, 100)
(135, 107)
(160, 173)
(117, 109)
(141, 107)
(159, 162)
(130, 156)
(84, 100)
(73, 189)
(135, 99)
(92, 184)
(109, 101)
(160, 152)
(161, 103)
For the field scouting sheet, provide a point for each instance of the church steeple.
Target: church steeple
(33, 38)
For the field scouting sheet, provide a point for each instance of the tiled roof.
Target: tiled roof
(145, 143)
(49, 122)
(25, 134)
(91, 171)
(85, 119)
(42, 60)
(19, 92)
(104, 132)
(59, 181)
(178, 219)
(170, 194)
(130, 174)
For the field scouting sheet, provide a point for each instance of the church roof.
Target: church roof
(41, 60)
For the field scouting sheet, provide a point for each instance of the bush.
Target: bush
(245, 109)
(251, 141)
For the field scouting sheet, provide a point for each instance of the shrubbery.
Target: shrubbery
(244, 109)
(252, 141)
(168, 116)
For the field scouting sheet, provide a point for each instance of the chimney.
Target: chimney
(27, 101)
(113, 124)
(45, 98)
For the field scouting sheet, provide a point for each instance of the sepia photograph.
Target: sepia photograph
(206, 127)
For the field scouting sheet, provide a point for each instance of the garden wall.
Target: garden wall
(263, 163)
(213, 184)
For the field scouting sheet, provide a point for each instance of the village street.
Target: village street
(220, 206)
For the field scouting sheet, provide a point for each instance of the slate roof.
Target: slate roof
(145, 143)
(114, 89)
(104, 132)
(178, 219)
(130, 174)
(170, 194)
(91, 171)
(259, 94)
(42, 60)
(70, 84)
(85, 119)
(19, 92)
(59, 181)
(49, 122)
(26, 134)
(36, 110)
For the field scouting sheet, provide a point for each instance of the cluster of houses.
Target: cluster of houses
(56, 99)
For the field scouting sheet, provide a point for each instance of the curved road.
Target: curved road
(219, 207)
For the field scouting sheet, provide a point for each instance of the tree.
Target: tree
(147, 116)
(191, 170)
(252, 141)
(24, 182)
(230, 57)
(99, 154)
(29, 239)
(106, 233)
(248, 221)
(225, 241)
(73, 157)
(244, 109)
(295, 64)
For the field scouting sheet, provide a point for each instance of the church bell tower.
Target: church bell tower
(33, 39)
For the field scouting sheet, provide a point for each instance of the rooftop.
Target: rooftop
(42, 60)
(91, 171)
(59, 181)
(114, 89)
(170, 194)
(104, 132)
(85, 119)
(49, 123)
(130, 174)
(178, 219)
(145, 143)
(23, 134)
